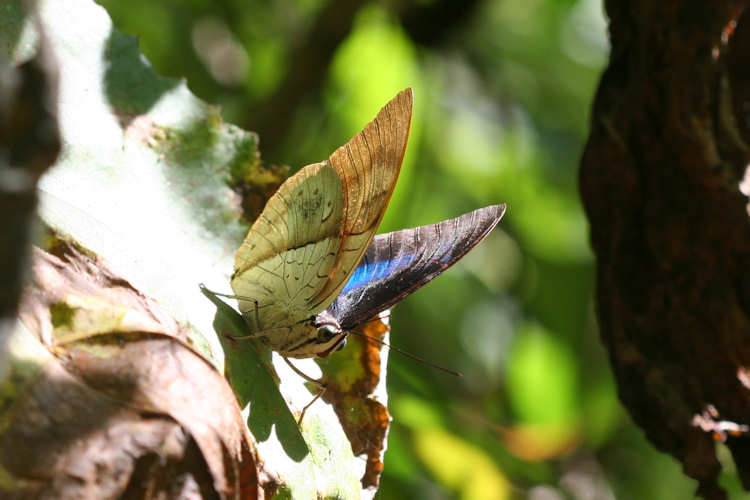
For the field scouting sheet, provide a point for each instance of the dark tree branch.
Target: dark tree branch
(29, 144)
(428, 24)
(310, 59)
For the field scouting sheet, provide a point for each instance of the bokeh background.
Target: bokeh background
(502, 91)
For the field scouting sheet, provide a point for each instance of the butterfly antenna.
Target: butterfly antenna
(407, 354)
(377, 318)
(238, 297)
(227, 295)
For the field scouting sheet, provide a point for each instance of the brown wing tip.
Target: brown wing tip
(400, 108)
(403, 101)
(407, 95)
(396, 114)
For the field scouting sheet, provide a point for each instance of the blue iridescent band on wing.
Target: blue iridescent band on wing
(397, 264)
(367, 272)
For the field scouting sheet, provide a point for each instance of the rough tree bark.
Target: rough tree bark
(660, 180)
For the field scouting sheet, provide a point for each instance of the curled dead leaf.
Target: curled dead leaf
(125, 406)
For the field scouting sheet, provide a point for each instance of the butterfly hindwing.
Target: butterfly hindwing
(398, 263)
(288, 253)
(313, 232)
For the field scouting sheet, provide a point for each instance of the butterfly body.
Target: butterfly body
(318, 335)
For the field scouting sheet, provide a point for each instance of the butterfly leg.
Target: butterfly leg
(218, 294)
(308, 405)
(257, 316)
(260, 332)
(313, 381)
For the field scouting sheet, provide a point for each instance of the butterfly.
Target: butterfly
(311, 267)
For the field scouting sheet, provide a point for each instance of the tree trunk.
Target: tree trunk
(661, 185)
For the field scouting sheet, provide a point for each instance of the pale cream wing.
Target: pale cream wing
(290, 249)
(368, 166)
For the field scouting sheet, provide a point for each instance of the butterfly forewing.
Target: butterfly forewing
(396, 264)
(369, 165)
(313, 232)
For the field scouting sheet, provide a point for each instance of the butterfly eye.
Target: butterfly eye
(326, 333)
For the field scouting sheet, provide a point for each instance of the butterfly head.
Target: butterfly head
(319, 336)
(330, 336)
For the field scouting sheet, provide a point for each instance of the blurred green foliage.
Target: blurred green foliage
(503, 91)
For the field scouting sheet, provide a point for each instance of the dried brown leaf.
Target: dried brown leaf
(352, 378)
(126, 407)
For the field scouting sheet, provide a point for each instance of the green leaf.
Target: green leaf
(251, 375)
